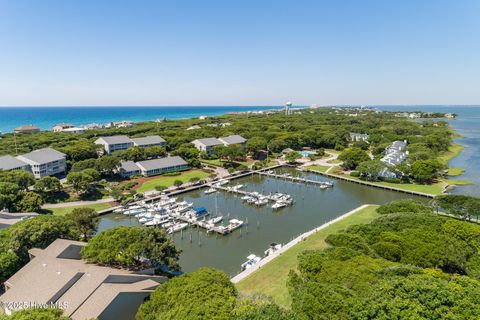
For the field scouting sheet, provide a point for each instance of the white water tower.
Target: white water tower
(287, 107)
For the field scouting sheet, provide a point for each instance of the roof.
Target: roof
(129, 166)
(115, 139)
(148, 140)
(161, 163)
(234, 139)
(26, 128)
(58, 275)
(44, 155)
(64, 125)
(209, 142)
(73, 129)
(9, 163)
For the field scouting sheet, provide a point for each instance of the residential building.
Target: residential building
(128, 169)
(76, 130)
(161, 165)
(61, 127)
(394, 155)
(355, 137)
(232, 140)
(58, 276)
(114, 143)
(207, 144)
(26, 129)
(45, 162)
(149, 141)
(12, 163)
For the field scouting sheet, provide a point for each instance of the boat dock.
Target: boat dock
(223, 230)
(242, 192)
(296, 179)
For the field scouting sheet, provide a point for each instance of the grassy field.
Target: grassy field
(452, 152)
(64, 211)
(271, 278)
(167, 181)
(319, 168)
(453, 172)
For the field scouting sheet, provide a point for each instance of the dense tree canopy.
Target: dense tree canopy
(36, 314)
(132, 248)
(352, 157)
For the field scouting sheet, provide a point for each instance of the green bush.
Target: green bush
(172, 174)
(355, 174)
(391, 180)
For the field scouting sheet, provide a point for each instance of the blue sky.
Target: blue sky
(100, 52)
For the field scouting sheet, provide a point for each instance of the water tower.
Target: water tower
(287, 107)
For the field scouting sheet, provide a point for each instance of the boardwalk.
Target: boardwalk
(296, 179)
(242, 275)
(370, 184)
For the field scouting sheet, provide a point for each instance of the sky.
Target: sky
(244, 52)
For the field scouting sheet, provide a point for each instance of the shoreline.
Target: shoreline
(244, 274)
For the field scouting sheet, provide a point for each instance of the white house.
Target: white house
(114, 143)
(232, 140)
(61, 127)
(149, 141)
(12, 163)
(207, 144)
(157, 166)
(45, 162)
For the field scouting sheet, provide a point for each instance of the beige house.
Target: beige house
(56, 276)
(61, 127)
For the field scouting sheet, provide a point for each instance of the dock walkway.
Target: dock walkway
(295, 179)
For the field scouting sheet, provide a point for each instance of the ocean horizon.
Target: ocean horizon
(45, 117)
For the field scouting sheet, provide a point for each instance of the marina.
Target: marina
(262, 225)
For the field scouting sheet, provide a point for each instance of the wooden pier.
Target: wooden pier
(242, 192)
(296, 179)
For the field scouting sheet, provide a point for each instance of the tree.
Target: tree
(107, 165)
(133, 248)
(22, 178)
(10, 194)
(48, 185)
(292, 157)
(424, 171)
(9, 264)
(256, 144)
(203, 294)
(116, 193)
(404, 205)
(177, 183)
(154, 152)
(80, 181)
(37, 314)
(31, 202)
(459, 205)
(352, 157)
(85, 220)
(371, 169)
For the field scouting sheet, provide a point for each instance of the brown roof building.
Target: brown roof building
(56, 276)
(26, 129)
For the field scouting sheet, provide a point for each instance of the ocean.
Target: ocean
(46, 117)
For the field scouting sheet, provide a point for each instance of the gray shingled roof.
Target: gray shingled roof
(234, 139)
(115, 139)
(9, 162)
(129, 166)
(44, 155)
(161, 163)
(148, 140)
(209, 142)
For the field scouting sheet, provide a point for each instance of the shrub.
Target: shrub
(392, 180)
(355, 174)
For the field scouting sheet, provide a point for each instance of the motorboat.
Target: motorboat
(261, 201)
(215, 220)
(273, 247)
(211, 190)
(279, 204)
(177, 227)
(251, 261)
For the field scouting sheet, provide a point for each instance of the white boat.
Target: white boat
(238, 186)
(177, 227)
(245, 198)
(234, 224)
(118, 210)
(215, 220)
(279, 204)
(270, 171)
(261, 202)
(273, 247)
(211, 190)
(222, 182)
(251, 261)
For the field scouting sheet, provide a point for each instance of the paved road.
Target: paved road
(239, 277)
(324, 161)
(75, 203)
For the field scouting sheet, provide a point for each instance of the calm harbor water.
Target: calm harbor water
(312, 208)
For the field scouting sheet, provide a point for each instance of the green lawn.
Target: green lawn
(453, 172)
(271, 278)
(64, 211)
(319, 168)
(453, 151)
(167, 181)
